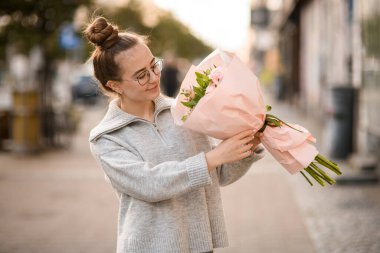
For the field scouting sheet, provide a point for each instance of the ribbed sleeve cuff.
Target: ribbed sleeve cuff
(197, 170)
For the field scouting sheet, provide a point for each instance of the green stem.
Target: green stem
(274, 117)
(326, 177)
(314, 175)
(323, 161)
(303, 174)
(319, 156)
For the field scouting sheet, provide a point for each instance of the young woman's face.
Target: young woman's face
(140, 74)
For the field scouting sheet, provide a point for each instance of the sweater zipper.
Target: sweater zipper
(155, 126)
(158, 132)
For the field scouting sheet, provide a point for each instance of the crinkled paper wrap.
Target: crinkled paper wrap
(237, 104)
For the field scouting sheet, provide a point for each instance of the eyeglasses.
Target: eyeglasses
(144, 77)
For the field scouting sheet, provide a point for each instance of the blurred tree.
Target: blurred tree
(171, 35)
(167, 35)
(25, 24)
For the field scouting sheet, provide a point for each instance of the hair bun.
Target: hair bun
(102, 34)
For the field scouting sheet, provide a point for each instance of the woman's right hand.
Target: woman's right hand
(230, 150)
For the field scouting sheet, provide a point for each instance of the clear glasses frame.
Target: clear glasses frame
(144, 77)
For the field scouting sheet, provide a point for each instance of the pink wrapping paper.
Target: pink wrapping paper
(237, 104)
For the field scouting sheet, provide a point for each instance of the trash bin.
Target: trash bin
(342, 121)
(25, 122)
(4, 127)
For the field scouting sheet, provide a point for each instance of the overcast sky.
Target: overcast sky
(221, 23)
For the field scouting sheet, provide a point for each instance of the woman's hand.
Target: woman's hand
(233, 149)
(256, 141)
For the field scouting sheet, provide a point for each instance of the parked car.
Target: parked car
(85, 90)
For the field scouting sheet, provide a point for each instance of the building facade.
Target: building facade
(329, 47)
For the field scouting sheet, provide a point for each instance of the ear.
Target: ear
(114, 85)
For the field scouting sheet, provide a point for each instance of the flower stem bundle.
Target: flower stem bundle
(314, 169)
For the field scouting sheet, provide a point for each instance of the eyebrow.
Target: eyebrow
(142, 69)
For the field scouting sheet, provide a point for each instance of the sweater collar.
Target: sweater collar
(116, 118)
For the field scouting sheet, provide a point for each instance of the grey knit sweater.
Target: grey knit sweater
(169, 202)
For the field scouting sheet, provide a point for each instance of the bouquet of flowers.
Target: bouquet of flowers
(221, 97)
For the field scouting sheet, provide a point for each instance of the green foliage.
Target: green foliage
(198, 92)
(27, 23)
(167, 35)
(31, 22)
(127, 17)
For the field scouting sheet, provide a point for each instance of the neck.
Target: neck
(143, 109)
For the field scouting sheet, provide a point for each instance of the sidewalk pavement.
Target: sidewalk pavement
(339, 218)
(59, 202)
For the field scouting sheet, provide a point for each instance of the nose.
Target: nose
(152, 76)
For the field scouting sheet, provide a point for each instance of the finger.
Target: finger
(245, 154)
(245, 148)
(244, 134)
(256, 141)
(254, 146)
(247, 139)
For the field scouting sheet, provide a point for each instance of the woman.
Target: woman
(167, 178)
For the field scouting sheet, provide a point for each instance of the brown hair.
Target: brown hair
(109, 42)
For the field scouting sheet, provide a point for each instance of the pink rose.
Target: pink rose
(216, 75)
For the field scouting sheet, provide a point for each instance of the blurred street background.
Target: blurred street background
(319, 65)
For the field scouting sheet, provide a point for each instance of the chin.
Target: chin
(156, 93)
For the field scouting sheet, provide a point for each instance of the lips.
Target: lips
(152, 88)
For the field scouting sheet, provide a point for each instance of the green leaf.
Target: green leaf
(202, 79)
(200, 75)
(193, 102)
(198, 91)
(186, 104)
(201, 82)
(196, 99)
(189, 104)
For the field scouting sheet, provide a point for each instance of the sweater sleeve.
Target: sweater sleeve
(129, 174)
(229, 173)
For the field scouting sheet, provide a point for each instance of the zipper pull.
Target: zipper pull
(156, 127)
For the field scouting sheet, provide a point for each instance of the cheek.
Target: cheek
(134, 91)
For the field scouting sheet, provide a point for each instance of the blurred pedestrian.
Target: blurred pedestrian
(169, 77)
(167, 178)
